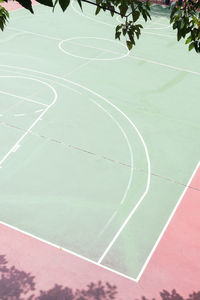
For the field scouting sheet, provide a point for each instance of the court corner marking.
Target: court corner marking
(168, 222)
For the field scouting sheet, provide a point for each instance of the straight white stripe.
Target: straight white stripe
(167, 224)
(20, 97)
(67, 251)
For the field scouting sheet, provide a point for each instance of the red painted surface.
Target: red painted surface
(175, 263)
(13, 5)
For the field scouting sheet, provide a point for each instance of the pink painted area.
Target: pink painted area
(174, 265)
(14, 5)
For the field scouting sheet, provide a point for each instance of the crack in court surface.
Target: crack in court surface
(53, 140)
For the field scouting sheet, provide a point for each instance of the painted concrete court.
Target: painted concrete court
(98, 144)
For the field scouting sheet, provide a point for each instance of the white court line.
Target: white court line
(128, 143)
(123, 55)
(16, 148)
(158, 34)
(167, 223)
(63, 85)
(67, 251)
(107, 24)
(129, 147)
(93, 262)
(92, 47)
(164, 65)
(85, 64)
(117, 109)
(20, 97)
(37, 34)
(87, 17)
(10, 38)
(108, 223)
(19, 115)
(39, 110)
(36, 121)
(164, 26)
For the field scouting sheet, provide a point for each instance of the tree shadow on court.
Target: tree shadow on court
(174, 295)
(19, 285)
(14, 283)
(94, 291)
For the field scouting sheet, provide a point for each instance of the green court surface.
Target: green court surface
(97, 144)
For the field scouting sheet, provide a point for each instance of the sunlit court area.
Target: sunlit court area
(99, 158)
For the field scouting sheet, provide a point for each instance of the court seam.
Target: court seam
(132, 124)
(49, 139)
(129, 146)
(103, 266)
(185, 70)
(12, 149)
(38, 72)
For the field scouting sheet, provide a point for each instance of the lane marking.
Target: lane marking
(129, 147)
(39, 110)
(20, 97)
(112, 105)
(16, 148)
(87, 17)
(19, 115)
(108, 223)
(36, 121)
(164, 65)
(84, 64)
(67, 251)
(33, 33)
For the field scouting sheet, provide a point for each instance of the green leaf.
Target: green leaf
(64, 4)
(46, 2)
(191, 46)
(179, 35)
(129, 45)
(26, 4)
(97, 10)
(80, 4)
(136, 15)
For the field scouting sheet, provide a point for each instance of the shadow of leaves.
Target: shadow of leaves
(16, 284)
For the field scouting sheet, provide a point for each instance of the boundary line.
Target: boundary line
(117, 109)
(103, 266)
(168, 221)
(67, 251)
(185, 70)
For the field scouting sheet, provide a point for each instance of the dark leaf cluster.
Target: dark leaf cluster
(185, 19)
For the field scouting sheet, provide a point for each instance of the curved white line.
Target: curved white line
(95, 58)
(157, 28)
(87, 17)
(36, 121)
(10, 38)
(124, 134)
(129, 121)
(129, 147)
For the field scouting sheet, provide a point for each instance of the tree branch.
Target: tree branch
(95, 4)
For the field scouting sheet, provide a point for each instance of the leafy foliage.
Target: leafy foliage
(185, 17)
(186, 20)
(4, 16)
